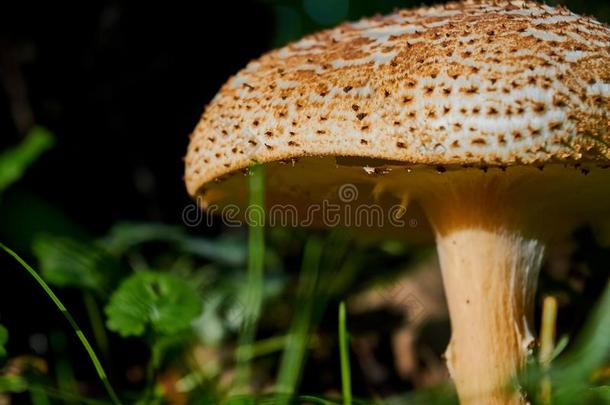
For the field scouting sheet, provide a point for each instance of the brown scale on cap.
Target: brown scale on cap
(534, 75)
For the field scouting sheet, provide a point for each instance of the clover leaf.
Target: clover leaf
(163, 302)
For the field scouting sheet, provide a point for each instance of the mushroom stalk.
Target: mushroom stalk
(489, 279)
(490, 267)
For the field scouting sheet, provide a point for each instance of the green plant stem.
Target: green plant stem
(256, 258)
(263, 347)
(547, 346)
(77, 330)
(97, 323)
(346, 382)
(63, 369)
(151, 373)
(293, 357)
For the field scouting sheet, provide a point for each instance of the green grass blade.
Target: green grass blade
(256, 258)
(97, 323)
(263, 347)
(79, 333)
(346, 381)
(293, 400)
(293, 358)
(66, 381)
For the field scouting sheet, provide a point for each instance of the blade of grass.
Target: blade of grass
(66, 381)
(560, 346)
(346, 381)
(301, 399)
(315, 400)
(336, 272)
(264, 347)
(256, 258)
(293, 358)
(97, 323)
(547, 345)
(334, 277)
(79, 333)
(321, 271)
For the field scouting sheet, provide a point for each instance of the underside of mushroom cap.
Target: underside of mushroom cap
(486, 83)
(393, 197)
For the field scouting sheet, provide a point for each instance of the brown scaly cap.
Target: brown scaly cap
(492, 83)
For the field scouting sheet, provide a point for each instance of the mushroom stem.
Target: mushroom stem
(490, 258)
(489, 279)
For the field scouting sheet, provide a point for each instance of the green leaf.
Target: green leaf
(66, 262)
(228, 249)
(3, 340)
(224, 309)
(24, 215)
(591, 347)
(14, 161)
(162, 301)
(12, 383)
(125, 236)
(601, 394)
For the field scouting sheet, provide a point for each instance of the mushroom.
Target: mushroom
(492, 118)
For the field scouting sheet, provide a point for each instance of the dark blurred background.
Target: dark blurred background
(121, 85)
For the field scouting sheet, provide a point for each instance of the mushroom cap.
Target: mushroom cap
(492, 83)
(369, 113)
